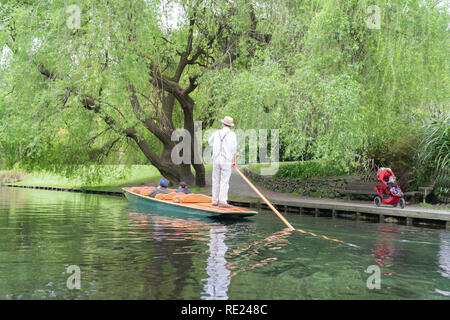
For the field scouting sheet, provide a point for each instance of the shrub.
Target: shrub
(433, 157)
(308, 169)
(434, 150)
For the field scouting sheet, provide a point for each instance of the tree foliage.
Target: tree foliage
(339, 89)
(89, 76)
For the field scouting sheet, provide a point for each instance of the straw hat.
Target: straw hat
(228, 121)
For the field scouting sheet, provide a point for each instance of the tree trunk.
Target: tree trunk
(172, 172)
(175, 173)
(200, 175)
(196, 151)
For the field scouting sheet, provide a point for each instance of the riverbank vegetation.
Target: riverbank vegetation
(114, 178)
(347, 83)
(11, 176)
(308, 169)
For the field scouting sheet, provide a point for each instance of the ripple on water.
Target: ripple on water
(126, 252)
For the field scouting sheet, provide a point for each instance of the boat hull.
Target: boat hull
(202, 210)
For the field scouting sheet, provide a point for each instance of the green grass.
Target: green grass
(256, 167)
(445, 207)
(6, 176)
(119, 177)
(309, 169)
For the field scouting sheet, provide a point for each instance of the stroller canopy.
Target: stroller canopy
(383, 174)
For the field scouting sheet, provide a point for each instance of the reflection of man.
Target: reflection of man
(224, 145)
(218, 274)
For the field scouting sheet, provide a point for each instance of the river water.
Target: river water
(51, 242)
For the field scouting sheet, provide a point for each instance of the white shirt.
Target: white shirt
(224, 144)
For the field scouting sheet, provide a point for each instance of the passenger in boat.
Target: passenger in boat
(224, 145)
(162, 188)
(182, 188)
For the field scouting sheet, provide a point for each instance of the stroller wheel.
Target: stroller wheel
(402, 203)
(377, 201)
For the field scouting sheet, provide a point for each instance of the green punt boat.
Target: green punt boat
(198, 209)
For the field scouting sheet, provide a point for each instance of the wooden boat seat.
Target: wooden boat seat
(192, 198)
(142, 190)
(168, 196)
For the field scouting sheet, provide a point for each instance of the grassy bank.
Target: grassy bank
(118, 177)
(11, 176)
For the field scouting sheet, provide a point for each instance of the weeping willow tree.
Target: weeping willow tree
(84, 78)
(343, 80)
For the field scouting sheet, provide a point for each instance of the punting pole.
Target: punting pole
(279, 214)
(264, 198)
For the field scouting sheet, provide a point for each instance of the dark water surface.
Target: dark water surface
(127, 252)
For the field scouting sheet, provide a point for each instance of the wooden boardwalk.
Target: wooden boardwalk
(364, 210)
(111, 193)
(413, 215)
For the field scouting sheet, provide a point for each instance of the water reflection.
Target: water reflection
(444, 260)
(189, 233)
(129, 252)
(168, 228)
(218, 279)
(384, 248)
(273, 242)
(444, 254)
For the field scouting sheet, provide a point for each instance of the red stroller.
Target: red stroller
(386, 195)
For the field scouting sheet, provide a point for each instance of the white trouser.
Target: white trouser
(220, 180)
